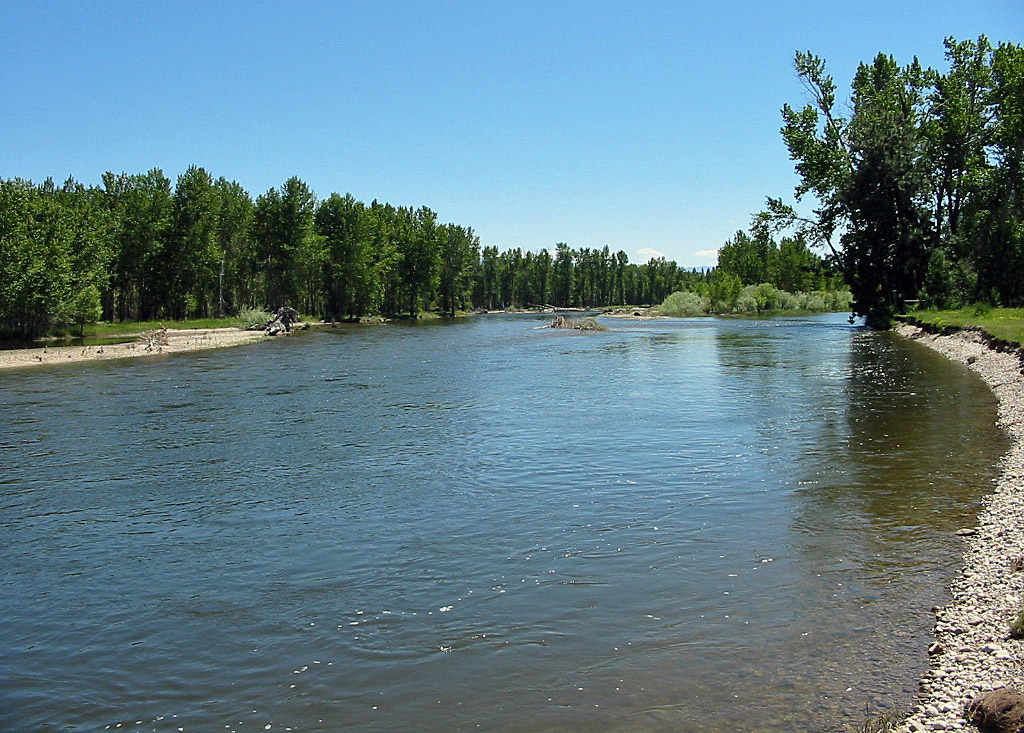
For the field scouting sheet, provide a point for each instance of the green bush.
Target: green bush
(249, 317)
(763, 298)
(681, 305)
(746, 303)
(815, 301)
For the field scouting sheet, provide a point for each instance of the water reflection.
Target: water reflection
(696, 525)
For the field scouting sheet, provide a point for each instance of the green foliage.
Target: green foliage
(723, 290)
(249, 317)
(84, 307)
(349, 276)
(947, 282)
(54, 255)
(755, 299)
(680, 305)
(923, 181)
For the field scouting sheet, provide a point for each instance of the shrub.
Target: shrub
(756, 299)
(838, 300)
(249, 317)
(788, 301)
(813, 301)
(680, 305)
(745, 303)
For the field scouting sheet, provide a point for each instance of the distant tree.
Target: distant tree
(282, 233)
(192, 255)
(54, 255)
(562, 280)
(85, 307)
(459, 249)
(349, 275)
(141, 208)
(749, 258)
(796, 269)
(417, 244)
(236, 272)
(540, 277)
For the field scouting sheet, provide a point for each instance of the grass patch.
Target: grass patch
(130, 328)
(1004, 323)
(133, 328)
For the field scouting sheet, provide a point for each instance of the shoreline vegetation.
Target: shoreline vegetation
(975, 652)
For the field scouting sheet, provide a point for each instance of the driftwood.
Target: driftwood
(157, 337)
(587, 324)
(282, 321)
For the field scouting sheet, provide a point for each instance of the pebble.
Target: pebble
(972, 652)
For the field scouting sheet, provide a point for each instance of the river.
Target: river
(689, 525)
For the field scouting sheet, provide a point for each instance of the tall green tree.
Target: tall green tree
(349, 273)
(55, 253)
(999, 216)
(459, 249)
(868, 176)
(749, 258)
(956, 130)
(192, 255)
(236, 274)
(889, 233)
(563, 276)
(417, 241)
(283, 231)
(142, 208)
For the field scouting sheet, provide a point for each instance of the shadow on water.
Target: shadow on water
(52, 343)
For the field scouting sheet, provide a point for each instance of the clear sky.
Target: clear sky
(651, 127)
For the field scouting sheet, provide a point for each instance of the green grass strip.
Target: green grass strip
(1003, 323)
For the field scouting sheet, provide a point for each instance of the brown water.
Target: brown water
(702, 524)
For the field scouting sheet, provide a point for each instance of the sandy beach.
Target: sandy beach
(973, 653)
(176, 342)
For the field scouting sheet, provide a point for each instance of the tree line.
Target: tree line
(917, 181)
(136, 248)
(918, 195)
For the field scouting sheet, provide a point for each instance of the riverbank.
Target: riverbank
(973, 653)
(175, 342)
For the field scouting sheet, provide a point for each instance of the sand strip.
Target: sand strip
(177, 342)
(973, 652)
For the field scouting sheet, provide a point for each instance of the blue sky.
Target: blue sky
(646, 126)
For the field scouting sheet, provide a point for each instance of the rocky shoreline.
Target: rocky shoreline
(973, 653)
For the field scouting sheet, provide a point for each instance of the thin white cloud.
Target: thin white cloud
(702, 258)
(647, 254)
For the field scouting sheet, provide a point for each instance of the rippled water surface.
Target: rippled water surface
(700, 524)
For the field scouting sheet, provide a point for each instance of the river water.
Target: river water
(688, 525)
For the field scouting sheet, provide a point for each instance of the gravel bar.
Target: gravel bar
(973, 652)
